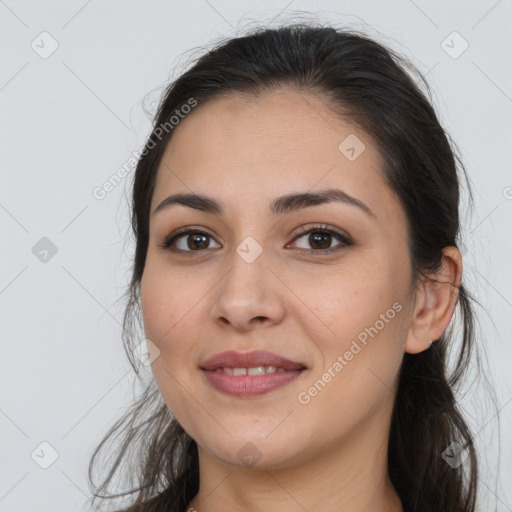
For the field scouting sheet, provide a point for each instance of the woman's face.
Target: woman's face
(252, 281)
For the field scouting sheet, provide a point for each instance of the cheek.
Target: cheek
(357, 328)
(359, 370)
(164, 305)
(360, 391)
(172, 311)
(167, 298)
(345, 301)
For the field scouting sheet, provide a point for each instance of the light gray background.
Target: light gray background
(69, 121)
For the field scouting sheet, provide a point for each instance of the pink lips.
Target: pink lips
(234, 359)
(250, 385)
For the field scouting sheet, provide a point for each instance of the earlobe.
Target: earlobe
(435, 303)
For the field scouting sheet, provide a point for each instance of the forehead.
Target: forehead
(245, 149)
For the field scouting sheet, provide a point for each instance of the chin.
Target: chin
(244, 451)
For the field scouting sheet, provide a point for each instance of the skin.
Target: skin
(244, 152)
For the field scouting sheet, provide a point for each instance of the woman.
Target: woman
(296, 272)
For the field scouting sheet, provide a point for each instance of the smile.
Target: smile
(249, 382)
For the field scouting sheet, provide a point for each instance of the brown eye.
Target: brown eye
(197, 241)
(188, 240)
(318, 239)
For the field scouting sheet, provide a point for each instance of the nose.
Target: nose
(249, 296)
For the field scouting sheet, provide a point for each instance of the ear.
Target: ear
(435, 302)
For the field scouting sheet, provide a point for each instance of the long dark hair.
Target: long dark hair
(381, 92)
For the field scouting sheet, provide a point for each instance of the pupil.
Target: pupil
(197, 241)
(317, 238)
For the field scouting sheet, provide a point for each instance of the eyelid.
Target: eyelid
(344, 239)
(187, 230)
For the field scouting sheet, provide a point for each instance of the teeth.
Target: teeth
(255, 370)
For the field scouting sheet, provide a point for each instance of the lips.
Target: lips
(233, 359)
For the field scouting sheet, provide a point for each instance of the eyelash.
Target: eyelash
(320, 228)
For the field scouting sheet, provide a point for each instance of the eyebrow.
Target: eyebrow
(280, 206)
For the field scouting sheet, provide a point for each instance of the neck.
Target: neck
(350, 476)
